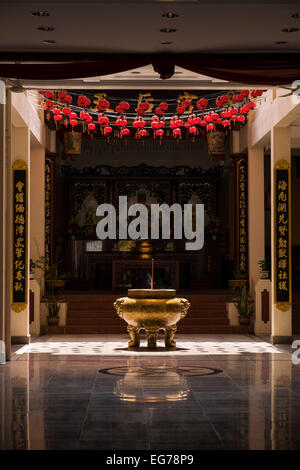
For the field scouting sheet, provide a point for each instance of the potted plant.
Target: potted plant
(264, 267)
(32, 266)
(237, 281)
(244, 304)
(53, 310)
(51, 272)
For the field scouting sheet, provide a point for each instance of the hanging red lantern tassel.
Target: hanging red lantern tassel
(107, 130)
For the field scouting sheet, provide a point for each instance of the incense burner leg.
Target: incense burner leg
(151, 333)
(169, 336)
(134, 334)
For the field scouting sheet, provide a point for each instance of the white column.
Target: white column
(280, 149)
(21, 150)
(256, 214)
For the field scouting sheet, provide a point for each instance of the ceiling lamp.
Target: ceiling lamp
(45, 28)
(168, 30)
(170, 14)
(41, 14)
(289, 30)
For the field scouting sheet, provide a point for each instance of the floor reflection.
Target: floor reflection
(241, 400)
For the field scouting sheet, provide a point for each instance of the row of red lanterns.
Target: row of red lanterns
(208, 121)
(103, 104)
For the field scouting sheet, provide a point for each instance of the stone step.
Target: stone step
(118, 321)
(88, 314)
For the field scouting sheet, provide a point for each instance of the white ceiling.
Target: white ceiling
(134, 26)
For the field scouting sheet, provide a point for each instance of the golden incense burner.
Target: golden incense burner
(151, 310)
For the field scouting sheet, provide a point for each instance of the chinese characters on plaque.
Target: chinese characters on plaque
(242, 200)
(282, 234)
(48, 211)
(19, 234)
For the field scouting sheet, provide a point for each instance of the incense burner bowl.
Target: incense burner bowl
(151, 310)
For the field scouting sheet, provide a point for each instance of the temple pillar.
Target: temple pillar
(256, 211)
(19, 285)
(281, 305)
(37, 209)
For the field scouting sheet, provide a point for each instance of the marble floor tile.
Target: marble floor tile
(90, 392)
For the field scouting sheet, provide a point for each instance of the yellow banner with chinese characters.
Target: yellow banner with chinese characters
(19, 235)
(242, 201)
(49, 175)
(282, 236)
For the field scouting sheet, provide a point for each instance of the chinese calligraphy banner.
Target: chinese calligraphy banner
(48, 211)
(282, 235)
(19, 234)
(242, 201)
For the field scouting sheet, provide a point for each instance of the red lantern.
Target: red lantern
(103, 104)
(186, 103)
(124, 105)
(125, 131)
(57, 117)
(226, 123)
(81, 100)
(193, 130)
(164, 106)
(107, 130)
(251, 105)
(208, 118)
(224, 99)
(202, 104)
(121, 122)
(210, 127)
(66, 111)
(62, 95)
(91, 126)
(73, 115)
(180, 109)
(68, 99)
(56, 111)
(142, 132)
(103, 119)
(192, 119)
(49, 94)
(155, 125)
(73, 122)
(241, 118)
(49, 104)
(145, 105)
(245, 93)
(177, 133)
(159, 111)
(160, 133)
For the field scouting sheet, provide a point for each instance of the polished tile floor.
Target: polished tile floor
(90, 392)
